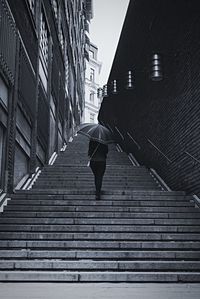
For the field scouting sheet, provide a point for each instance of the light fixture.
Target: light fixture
(105, 90)
(129, 80)
(99, 93)
(114, 87)
(156, 73)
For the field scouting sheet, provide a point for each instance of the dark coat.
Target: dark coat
(97, 151)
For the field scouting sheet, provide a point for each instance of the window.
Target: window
(44, 39)
(32, 6)
(92, 97)
(55, 8)
(3, 92)
(2, 151)
(44, 43)
(66, 70)
(61, 37)
(91, 54)
(92, 75)
(92, 115)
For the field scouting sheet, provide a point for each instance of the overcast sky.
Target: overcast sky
(105, 29)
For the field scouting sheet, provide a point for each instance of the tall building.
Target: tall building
(92, 100)
(43, 52)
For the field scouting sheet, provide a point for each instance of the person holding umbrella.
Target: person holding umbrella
(98, 154)
(100, 137)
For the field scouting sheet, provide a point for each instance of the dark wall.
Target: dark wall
(163, 118)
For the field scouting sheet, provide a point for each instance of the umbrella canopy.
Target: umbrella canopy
(96, 132)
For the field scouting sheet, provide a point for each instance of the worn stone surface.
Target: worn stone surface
(58, 234)
(98, 291)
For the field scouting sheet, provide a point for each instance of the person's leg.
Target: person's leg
(98, 168)
(99, 176)
(94, 168)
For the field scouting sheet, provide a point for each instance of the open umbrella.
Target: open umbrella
(96, 132)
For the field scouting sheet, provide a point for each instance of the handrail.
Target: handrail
(174, 160)
(163, 154)
(169, 160)
(121, 135)
(109, 128)
(131, 137)
(191, 156)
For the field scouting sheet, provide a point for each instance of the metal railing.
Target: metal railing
(176, 161)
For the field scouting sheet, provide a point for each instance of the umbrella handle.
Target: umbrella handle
(94, 152)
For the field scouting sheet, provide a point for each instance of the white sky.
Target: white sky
(105, 29)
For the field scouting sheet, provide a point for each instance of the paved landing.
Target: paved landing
(98, 291)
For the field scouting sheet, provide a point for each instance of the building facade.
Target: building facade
(43, 52)
(92, 99)
(156, 106)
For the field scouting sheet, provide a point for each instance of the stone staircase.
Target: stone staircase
(137, 232)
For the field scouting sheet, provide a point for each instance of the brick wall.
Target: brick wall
(163, 117)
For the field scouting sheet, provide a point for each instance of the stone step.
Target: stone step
(104, 203)
(97, 239)
(109, 172)
(102, 221)
(137, 215)
(87, 176)
(77, 160)
(113, 172)
(91, 265)
(57, 231)
(105, 209)
(61, 189)
(71, 165)
(90, 181)
(79, 151)
(132, 193)
(89, 195)
(127, 276)
(99, 228)
(77, 155)
(83, 232)
(81, 184)
(99, 254)
(84, 178)
(83, 162)
(84, 155)
(88, 172)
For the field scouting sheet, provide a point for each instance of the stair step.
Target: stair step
(137, 215)
(99, 241)
(104, 203)
(96, 221)
(66, 276)
(61, 188)
(98, 228)
(117, 192)
(84, 179)
(165, 196)
(137, 232)
(96, 209)
(103, 265)
(99, 254)
(96, 239)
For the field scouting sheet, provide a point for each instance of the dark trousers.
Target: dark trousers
(98, 169)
